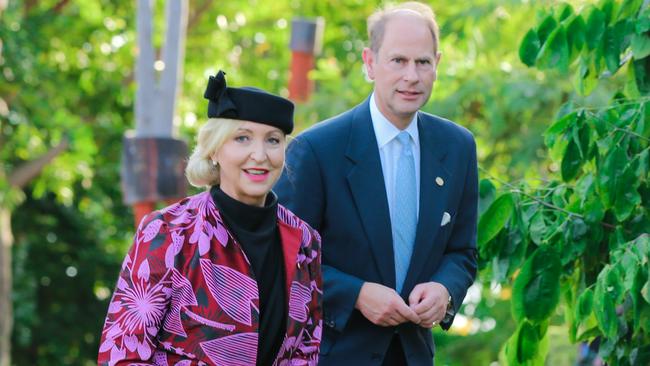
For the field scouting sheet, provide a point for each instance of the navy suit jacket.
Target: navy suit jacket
(333, 180)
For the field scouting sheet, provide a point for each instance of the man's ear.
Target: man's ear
(368, 57)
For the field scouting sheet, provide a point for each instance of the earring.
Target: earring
(214, 163)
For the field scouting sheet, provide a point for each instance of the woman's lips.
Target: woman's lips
(257, 175)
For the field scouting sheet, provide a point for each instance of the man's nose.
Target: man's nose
(410, 72)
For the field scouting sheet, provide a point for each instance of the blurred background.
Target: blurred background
(67, 94)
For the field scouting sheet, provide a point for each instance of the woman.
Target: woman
(228, 276)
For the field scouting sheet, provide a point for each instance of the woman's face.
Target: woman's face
(250, 162)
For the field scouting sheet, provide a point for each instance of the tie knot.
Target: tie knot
(403, 138)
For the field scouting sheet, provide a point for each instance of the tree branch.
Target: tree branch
(29, 4)
(196, 15)
(31, 169)
(60, 5)
(515, 189)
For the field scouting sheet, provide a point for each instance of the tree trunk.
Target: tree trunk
(6, 311)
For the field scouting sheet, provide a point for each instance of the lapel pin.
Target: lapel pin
(440, 181)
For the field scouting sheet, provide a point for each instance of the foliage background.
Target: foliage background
(67, 73)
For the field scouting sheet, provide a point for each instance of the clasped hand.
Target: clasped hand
(383, 305)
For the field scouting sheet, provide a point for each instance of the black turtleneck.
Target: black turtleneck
(256, 230)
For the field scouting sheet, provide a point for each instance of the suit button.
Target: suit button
(330, 323)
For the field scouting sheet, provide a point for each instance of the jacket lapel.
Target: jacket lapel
(366, 182)
(290, 237)
(433, 197)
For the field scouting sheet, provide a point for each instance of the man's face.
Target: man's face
(403, 69)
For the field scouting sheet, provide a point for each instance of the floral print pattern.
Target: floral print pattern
(186, 294)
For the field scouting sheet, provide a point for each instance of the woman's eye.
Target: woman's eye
(241, 138)
(274, 140)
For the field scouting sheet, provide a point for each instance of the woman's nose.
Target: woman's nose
(258, 152)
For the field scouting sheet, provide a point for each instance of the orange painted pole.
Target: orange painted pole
(300, 86)
(142, 209)
(306, 42)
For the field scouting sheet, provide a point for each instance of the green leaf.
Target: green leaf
(546, 27)
(528, 345)
(529, 48)
(642, 75)
(586, 78)
(593, 208)
(571, 162)
(627, 194)
(559, 127)
(576, 34)
(629, 8)
(629, 265)
(605, 299)
(595, 27)
(555, 51)
(585, 305)
(567, 11)
(642, 23)
(640, 46)
(495, 218)
(610, 173)
(486, 194)
(609, 8)
(638, 302)
(645, 291)
(527, 341)
(612, 39)
(582, 136)
(536, 290)
(537, 228)
(577, 228)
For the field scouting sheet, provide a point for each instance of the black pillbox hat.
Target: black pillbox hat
(248, 104)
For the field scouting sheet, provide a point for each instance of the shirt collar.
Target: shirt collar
(385, 130)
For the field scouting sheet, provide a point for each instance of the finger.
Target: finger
(408, 313)
(424, 305)
(428, 325)
(416, 295)
(390, 321)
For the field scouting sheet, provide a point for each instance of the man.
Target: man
(393, 192)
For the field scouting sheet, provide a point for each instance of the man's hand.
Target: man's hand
(383, 306)
(429, 301)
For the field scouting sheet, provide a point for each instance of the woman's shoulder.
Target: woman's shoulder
(289, 218)
(182, 213)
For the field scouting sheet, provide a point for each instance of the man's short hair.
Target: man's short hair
(377, 22)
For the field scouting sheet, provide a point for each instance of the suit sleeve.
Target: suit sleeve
(301, 189)
(458, 267)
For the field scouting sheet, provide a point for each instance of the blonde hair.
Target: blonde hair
(200, 171)
(377, 22)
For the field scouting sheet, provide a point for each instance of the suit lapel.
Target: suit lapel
(366, 182)
(433, 197)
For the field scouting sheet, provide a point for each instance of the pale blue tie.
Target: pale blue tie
(404, 215)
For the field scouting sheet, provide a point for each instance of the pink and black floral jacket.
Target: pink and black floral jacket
(187, 295)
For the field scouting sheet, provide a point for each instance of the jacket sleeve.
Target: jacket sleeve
(301, 189)
(458, 267)
(140, 300)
